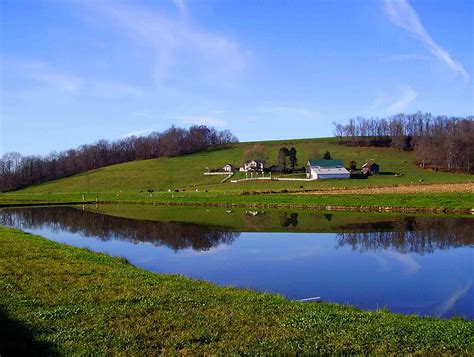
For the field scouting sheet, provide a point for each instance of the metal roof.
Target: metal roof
(325, 163)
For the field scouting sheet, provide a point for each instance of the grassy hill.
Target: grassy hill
(186, 172)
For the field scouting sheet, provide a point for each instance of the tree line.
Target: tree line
(287, 160)
(438, 142)
(17, 171)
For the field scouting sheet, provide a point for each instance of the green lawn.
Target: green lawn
(59, 299)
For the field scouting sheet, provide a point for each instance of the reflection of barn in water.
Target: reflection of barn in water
(254, 213)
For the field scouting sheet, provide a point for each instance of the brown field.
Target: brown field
(416, 188)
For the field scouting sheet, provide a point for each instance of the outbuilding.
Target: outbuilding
(326, 169)
(370, 168)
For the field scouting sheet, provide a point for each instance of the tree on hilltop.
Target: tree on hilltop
(327, 156)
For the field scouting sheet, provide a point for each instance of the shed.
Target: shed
(370, 168)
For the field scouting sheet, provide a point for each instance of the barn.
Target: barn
(370, 168)
(326, 169)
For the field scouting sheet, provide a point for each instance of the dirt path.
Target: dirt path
(432, 188)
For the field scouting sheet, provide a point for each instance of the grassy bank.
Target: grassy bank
(456, 202)
(56, 298)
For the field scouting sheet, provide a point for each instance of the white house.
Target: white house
(326, 169)
(227, 168)
(253, 165)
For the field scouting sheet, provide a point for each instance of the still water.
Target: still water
(408, 264)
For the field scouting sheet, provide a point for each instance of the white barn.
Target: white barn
(326, 169)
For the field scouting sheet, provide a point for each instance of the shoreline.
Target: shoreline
(259, 205)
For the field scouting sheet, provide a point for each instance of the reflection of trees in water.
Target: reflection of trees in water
(172, 234)
(409, 234)
(286, 221)
(328, 217)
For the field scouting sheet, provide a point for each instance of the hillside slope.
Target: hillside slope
(186, 172)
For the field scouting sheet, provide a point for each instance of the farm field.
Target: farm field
(186, 172)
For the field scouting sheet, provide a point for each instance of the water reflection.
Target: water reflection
(286, 220)
(409, 235)
(174, 235)
(404, 235)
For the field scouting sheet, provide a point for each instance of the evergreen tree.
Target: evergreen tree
(292, 157)
(327, 156)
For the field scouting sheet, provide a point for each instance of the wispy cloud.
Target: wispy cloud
(181, 5)
(407, 261)
(203, 120)
(407, 96)
(403, 15)
(385, 104)
(294, 112)
(47, 75)
(136, 133)
(177, 44)
(453, 299)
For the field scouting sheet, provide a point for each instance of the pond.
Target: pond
(407, 264)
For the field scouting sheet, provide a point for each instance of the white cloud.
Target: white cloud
(43, 73)
(453, 299)
(203, 120)
(403, 15)
(384, 104)
(181, 5)
(407, 261)
(136, 133)
(407, 96)
(47, 75)
(177, 44)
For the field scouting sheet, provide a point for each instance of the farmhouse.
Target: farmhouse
(253, 165)
(326, 169)
(372, 168)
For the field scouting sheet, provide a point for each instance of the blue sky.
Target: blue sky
(76, 71)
